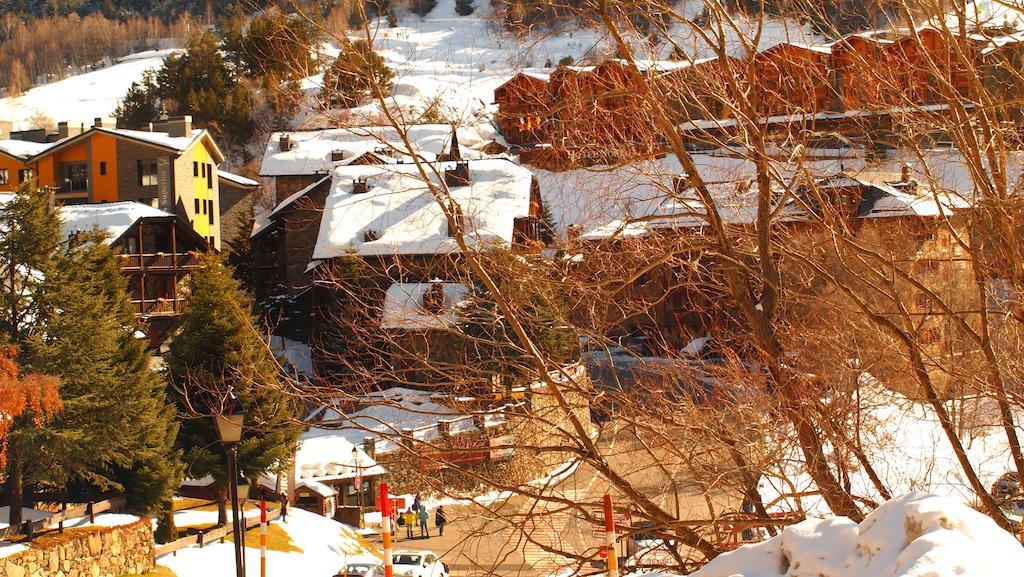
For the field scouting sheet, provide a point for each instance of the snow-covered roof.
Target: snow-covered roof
(23, 149)
(317, 487)
(179, 143)
(264, 220)
(160, 139)
(404, 216)
(236, 179)
(310, 151)
(327, 455)
(403, 306)
(114, 218)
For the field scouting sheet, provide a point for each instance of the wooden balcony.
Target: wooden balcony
(527, 234)
(160, 261)
(161, 307)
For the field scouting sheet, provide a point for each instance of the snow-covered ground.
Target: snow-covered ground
(326, 546)
(909, 451)
(916, 535)
(82, 98)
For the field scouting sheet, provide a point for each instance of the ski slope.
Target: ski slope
(82, 98)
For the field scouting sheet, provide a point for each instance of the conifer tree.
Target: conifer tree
(140, 105)
(116, 430)
(354, 74)
(217, 354)
(464, 7)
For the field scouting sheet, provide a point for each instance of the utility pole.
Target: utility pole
(609, 531)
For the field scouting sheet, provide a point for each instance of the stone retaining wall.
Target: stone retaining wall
(86, 552)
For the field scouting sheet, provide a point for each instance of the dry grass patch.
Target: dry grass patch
(277, 539)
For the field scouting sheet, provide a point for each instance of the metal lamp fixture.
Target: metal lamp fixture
(229, 426)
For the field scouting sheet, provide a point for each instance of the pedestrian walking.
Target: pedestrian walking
(424, 517)
(417, 503)
(440, 519)
(410, 521)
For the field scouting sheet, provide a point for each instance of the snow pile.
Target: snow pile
(82, 98)
(325, 545)
(906, 446)
(916, 535)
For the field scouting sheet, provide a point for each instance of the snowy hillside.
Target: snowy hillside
(458, 61)
(916, 535)
(909, 451)
(82, 98)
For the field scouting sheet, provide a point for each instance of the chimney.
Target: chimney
(905, 173)
(97, 122)
(178, 126)
(284, 143)
(407, 438)
(572, 233)
(336, 155)
(370, 235)
(63, 130)
(433, 298)
(370, 447)
(359, 186)
(5, 129)
(679, 184)
(458, 176)
(454, 153)
(444, 428)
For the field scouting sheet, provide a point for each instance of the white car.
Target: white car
(418, 564)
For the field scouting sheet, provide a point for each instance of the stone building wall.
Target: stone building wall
(91, 552)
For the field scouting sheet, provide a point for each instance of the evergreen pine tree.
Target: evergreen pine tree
(353, 75)
(116, 430)
(422, 7)
(27, 250)
(464, 7)
(139, 106)
(219, 353)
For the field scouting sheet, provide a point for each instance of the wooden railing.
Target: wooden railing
(90, 510)
(211, 535)
(160, 306)
(159, 260)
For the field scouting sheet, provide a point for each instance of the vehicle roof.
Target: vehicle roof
(414, 552)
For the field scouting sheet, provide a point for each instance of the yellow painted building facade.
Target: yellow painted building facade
(176, 174)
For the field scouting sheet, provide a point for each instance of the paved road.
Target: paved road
(516, 537)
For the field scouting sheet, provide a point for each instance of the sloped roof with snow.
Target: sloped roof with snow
(327, 456)
(403, 306)
(311, 151)
(114, 218)
(237, 179)
(160, 139)
(23, 149)
(405, 217)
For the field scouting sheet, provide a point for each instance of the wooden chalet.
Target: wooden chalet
(792, 78)
(524, 109)
(157, 250)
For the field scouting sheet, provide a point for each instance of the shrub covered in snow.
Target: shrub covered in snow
(916, 535)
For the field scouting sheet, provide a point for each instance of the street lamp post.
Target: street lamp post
(229, 429)
(359, 483)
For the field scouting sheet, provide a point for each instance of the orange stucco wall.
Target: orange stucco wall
(49, 166)
(12, 166)
(104, 186)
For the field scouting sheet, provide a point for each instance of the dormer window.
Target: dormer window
(433, 298)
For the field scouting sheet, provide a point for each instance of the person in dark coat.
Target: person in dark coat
(440, 519)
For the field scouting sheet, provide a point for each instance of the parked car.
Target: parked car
(418, 564)
(362, 570)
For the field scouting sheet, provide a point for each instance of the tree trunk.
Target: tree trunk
(15, 491)
(222, 504)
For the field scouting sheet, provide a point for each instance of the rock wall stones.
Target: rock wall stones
(91, 552)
